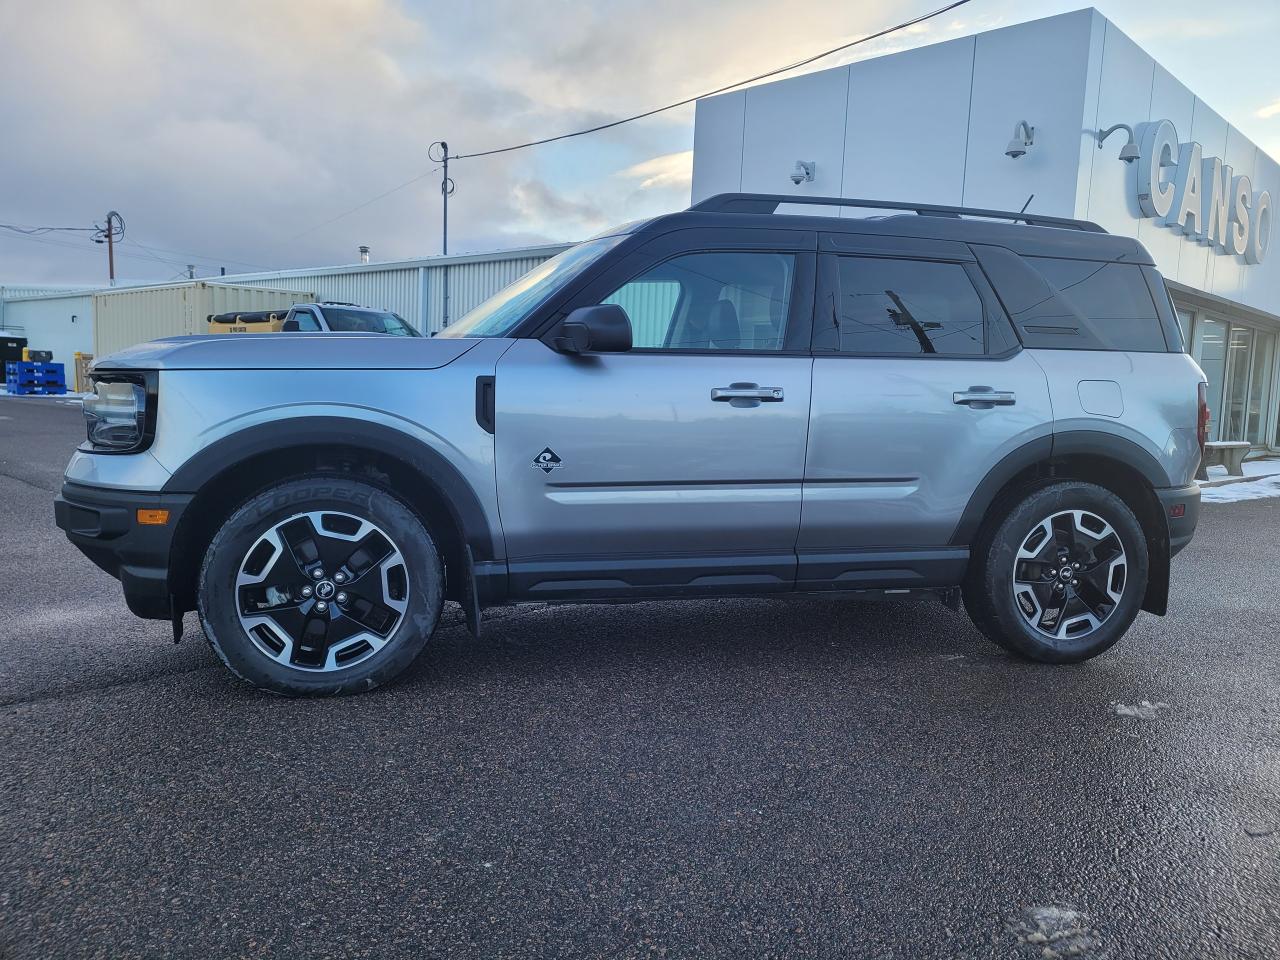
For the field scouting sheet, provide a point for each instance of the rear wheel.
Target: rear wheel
(1061, 577)
(320, 585)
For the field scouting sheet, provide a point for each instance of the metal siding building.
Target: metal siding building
(108, 319)
(415, 289)
(123, 318)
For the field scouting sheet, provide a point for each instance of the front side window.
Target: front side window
(890, 306)
(710, 301)
(501, 314)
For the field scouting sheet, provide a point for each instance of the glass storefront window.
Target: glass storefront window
(1210, 352)
(1239, 343)
(1260, 387)
(1184, 321)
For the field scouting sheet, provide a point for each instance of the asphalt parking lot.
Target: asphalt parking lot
(738, 778)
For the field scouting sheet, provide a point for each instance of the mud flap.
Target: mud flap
(471, 597)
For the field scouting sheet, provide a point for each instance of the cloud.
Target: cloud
(671, 170)
(1270, 110)
(230, 133)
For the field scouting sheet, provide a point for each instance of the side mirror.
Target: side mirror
(602, 328)
(289, 326)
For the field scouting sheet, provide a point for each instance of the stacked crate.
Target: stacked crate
(23, 377)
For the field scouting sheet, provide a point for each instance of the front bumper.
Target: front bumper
(1181, 529)
(103, 523)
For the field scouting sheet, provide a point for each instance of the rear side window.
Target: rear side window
(1063, 304)
(891, 306)
(1114, 296)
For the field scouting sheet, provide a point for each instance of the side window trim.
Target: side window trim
(826, 329)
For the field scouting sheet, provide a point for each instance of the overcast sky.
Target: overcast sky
(228, 133)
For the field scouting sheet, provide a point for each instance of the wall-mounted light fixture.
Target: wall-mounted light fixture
(1129, 152)
(73, 318)
(1024, 135)
(804, 171)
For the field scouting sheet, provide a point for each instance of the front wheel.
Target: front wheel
(1061, 577)
(320, 585)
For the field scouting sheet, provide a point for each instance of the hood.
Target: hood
(289, 351)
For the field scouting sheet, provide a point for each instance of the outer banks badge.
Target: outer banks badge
(547, 461)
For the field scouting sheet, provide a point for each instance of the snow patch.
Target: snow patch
(1145, 710)
(1056, 932)
(1264, 486)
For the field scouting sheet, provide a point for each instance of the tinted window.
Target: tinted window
(1112, 297)
(710, 301)
(908, 306)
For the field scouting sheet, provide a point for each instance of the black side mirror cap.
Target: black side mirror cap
(289, 326)
(601, 328)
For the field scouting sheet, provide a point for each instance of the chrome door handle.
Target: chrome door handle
(984, 398)
(747, 391)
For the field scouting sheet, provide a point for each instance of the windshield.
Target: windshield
(367, 321)
(500, 314)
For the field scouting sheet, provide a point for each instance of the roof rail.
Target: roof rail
(769, 203)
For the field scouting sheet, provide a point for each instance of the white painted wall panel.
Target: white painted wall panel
(1123, 96)
(717, 144)
(1036, 72)
(797, 119)
(1172, 101)
(930, 86)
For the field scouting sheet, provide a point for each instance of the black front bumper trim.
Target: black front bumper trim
(102, 523)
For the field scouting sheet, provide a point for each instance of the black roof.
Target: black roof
(1024, 233)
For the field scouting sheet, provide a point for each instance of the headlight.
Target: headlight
(116, 413)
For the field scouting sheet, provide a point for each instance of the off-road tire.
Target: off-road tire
(989, 586)
(217, 594)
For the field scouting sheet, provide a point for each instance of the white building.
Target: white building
(937, 125)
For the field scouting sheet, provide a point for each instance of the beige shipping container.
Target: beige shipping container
(122, 318)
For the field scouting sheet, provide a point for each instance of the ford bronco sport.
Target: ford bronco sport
(726, 400)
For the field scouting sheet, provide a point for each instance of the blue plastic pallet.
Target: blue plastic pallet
(22, 390)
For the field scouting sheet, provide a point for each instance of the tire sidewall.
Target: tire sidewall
(217, 602)
(1008, 537)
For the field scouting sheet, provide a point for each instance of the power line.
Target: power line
(711, 93)
(38, 231)
(648, 113)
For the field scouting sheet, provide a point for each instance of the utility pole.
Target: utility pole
(113, 231)
(446, 191)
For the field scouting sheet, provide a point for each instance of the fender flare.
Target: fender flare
(277, 435)
(1068, 443)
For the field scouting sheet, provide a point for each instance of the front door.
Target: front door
(676, 467)
(919, 389)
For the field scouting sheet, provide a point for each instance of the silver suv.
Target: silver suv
(724, 401)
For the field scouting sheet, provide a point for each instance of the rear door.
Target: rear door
(919, 389)
(676, 467)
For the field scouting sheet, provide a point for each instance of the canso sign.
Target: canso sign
(1200, 196)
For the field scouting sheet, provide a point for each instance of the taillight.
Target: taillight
(1202, 421)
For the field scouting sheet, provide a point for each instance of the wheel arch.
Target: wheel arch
(228, 472)
(1104, 459)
